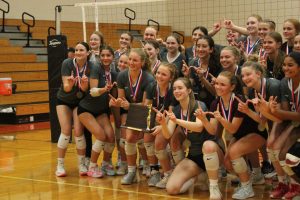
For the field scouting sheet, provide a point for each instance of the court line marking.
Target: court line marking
(89, 186)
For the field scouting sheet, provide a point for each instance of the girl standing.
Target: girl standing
(93, 112)
(159, 95)
(173, 54)
(132, 84)
(75, 81)
(291, 28)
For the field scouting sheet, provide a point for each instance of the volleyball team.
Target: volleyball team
(217, 108)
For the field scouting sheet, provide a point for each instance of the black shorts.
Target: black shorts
(198, 159)
(123, 111)
(263, 134)
(81, 110)
(70, 105)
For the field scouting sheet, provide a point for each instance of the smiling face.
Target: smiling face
(203, 49)
(270, 45)
(81, 52)
(172, 44)
(151, 51)
(290, 68)
(297, 43)
(252, 25)
(163, 75)
(123, 62)
(228, 59)
(250, 77)
(197, 34)
(263, 29)
(95, 42)
(180, 91)
(150, 33)
(135, 62)
(289, 30)
(125, 41)
(106, 57)
(223, 86)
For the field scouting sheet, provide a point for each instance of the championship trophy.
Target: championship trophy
(140, 118)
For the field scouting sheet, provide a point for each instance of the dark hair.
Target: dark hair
(295, 56)
(234, 80)
(188, 85)
(255, 66)
(107, 47)
(214, 59)
(71, 49)
(87, 47)
(202, 29)
(155, 44)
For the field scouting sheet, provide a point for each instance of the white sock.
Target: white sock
(92, 165)
(60, 160)
(131, 168)
(245, 183)
(213, 182)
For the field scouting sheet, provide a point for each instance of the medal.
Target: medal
(227, 117)
(79, 95)
(261, 127)
(158, 96)
(185, 130)
(134, 90)
(186, 144)
(250, 48)
(295, 99)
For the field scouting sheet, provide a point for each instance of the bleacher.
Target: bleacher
(27, 66)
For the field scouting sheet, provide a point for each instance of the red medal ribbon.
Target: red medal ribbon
(138, 83)
(188, 119)
(77, 81)
(250, 48)
(295, 99)
(227, 117)
(155, 66)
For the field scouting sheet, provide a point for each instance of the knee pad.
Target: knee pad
(80, 142)
(140, 144)
(271, 155)
(117, 133)
(178, 156)
(211, 161)
(239, 165)
(122, 143)
(109, 147)
(98, 146)
(150, 148)
(130, 148)
(286, 168)
(161, 154)
(63, 141)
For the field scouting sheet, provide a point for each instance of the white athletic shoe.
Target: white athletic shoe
(214, 192)
(60, 170)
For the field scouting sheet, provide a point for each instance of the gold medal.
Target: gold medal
(186, 144)
(261, 127)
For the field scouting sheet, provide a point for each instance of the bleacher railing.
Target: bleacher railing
(3, 16)
(28, 26)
